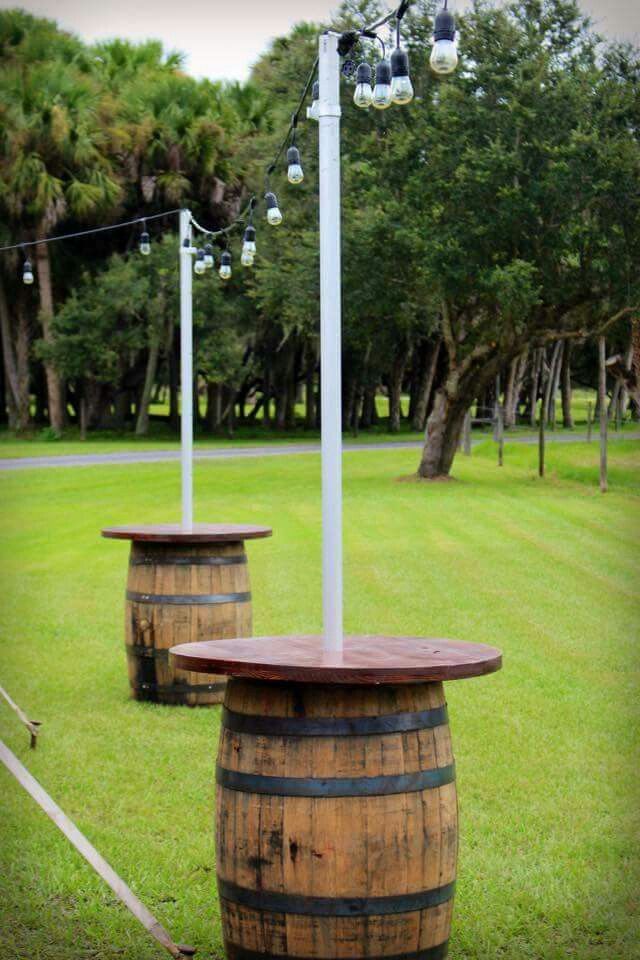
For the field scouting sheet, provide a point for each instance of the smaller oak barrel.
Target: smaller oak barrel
(183, 586)
(337, 825)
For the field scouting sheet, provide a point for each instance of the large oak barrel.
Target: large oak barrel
(177, 593)
(337, 821)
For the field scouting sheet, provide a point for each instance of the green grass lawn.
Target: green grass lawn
(547, 750)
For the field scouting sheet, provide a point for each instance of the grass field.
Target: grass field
(547, 750)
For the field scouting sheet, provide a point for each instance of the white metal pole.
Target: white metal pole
(330, 340)
(186, 368)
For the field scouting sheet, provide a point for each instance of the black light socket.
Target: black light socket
(225, 259)
(383, 73)
(399, 63)
(271, 200)
(293, 155)
(250, 234)
(444, 27)
(144, 238)
(363, 73)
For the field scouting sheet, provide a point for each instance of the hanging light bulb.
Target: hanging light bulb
(444, 56)
(401, 86)
(225, 266)
(274, 217)
(382, 89)
(208, 256)
(248, 246)
(313, 112)
(199, 266)
(145, 241)
(295, 173)
(363, 95)
(27, 273)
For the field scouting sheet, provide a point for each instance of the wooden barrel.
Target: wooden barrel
(177, 593)
(337, 828)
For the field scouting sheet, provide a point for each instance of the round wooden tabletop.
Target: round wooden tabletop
(364, 659)
(198, 533)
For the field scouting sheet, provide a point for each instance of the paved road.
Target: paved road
(231, 453)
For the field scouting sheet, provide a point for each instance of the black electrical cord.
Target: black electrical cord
(86, 233)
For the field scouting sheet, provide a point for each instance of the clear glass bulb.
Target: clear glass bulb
(401, 90)
(382, 96)
(208, 261)
(249, 246)
(444, 56)
(225, 272)
(145, 248)
(199, 267)
(247, 258)
(295, 173)
(274, 217)
(27, 277)
(363, 95)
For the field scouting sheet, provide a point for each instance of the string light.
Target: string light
(313, 112)
(295, 173)
(382, 89)
(27, 272)
(274, 217)
(401, 86)
(225, 266)
(199, 265)
(145, 241)
(444, 56)
(208, 256)
(248, 246)
(363, 96)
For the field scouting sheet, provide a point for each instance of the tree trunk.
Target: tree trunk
(368, 405)
(557, 368)
(396, 376)
(309, 391)
(567, 415)
(509, 403)
(142, 422)
(551, 381)
(515, 382)
(16, 364)
(174, 411)
(214, 406)
(266, 391)
(425, 388)
(442, 434)
(55, 400)
(536, 368)
(602, 396)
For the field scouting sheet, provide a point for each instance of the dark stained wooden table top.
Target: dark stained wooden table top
(364, 659)
(198, 533)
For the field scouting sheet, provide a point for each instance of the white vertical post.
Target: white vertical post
(330, 340)
(186, 369)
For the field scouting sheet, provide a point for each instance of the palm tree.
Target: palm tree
(56, 160)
